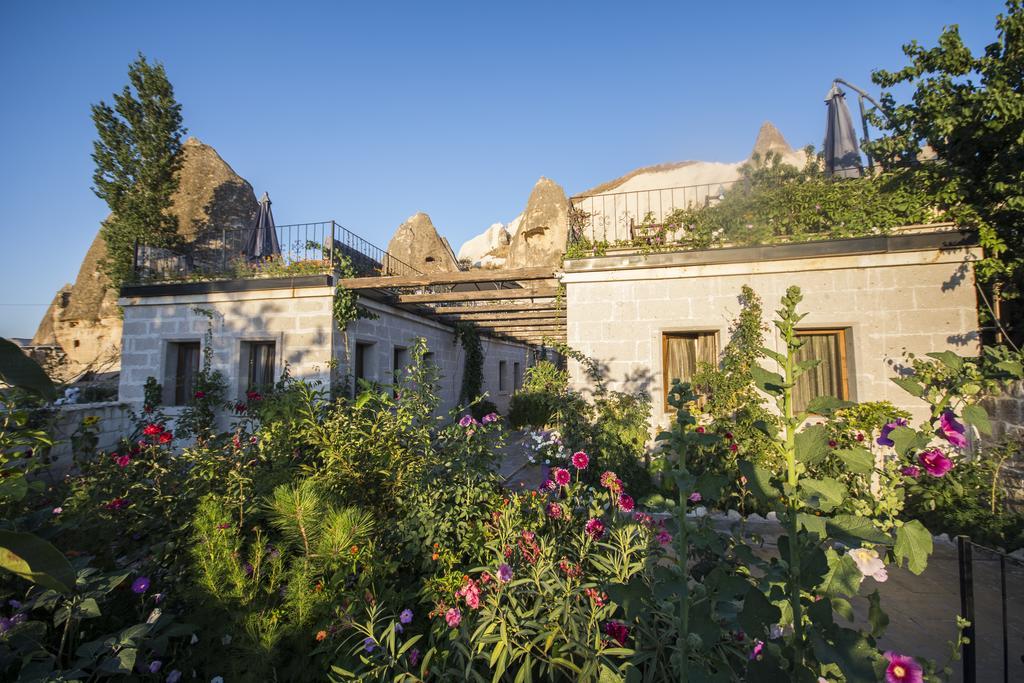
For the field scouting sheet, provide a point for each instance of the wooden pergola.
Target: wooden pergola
(519, 304)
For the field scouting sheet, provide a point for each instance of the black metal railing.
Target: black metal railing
(969, 653)
(305, 249)
(618, 217)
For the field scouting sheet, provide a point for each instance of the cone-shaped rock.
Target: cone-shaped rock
(417, 244)
(770, 139)
(542, 234)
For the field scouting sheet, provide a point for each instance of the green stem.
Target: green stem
(792, 478)
(684, 598)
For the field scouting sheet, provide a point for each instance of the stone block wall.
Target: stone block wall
(114, 422)
(889, 303)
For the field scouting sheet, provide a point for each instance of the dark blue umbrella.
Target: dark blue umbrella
(262, 241)
(842, 153)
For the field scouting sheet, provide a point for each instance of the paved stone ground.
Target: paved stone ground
(922, 609)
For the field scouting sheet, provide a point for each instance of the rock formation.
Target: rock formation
(541, 237)
(417, 243)
(83, 318)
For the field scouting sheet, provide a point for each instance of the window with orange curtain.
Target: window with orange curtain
(830, 377)
(680, 354)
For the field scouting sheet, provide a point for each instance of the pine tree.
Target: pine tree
(137, 157)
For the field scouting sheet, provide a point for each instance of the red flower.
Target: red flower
(116, 504)
(152, 429)
(253, 396)
(200, 394)
(122, 460)
(166, 437)
(625, 502)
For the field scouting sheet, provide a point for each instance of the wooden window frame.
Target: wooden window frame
(844, 364)
(665, 334)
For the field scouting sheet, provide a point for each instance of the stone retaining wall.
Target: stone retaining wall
(114, 422)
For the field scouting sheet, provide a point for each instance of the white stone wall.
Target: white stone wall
(891, 303)
(300, 323)
(114, 422)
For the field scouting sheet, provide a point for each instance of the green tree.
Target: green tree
(969, 109)
(137, 156)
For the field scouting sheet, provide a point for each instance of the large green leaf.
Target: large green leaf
(843, 578)
(878, 619)
(811, 523)
(824, 494)
(853, 530)
(848, 650)
(826, 405)
(857, 460)
(759, 481)
(758, 613)
(13, 488)
(910, 385)
(947, 358)
(977, 416)
(905, 440)
(812, 445)
(32, 558)
(766, 381)
(20, 371)
(913, 543)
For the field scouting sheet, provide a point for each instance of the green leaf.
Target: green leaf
(758, 613)
(766, 381)
(910, 385)
(878, 619)
(122, 663)
(977, 416)
(913, 543)
(1012, 367)
(843, 578)
(904, 440)
(20, 371)
(853, 530)
(13, 488)
(710, 486)
(824, 494)
(857, 460)
(36, 560)
(826, 405)
(774, 355)
(812, 445)
(759, 481)
(947, 358)
(811, 523)
(848, 650)
(89, 609)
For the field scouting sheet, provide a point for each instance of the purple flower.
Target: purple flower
(595, 528)
(174, 676)
(912, 471)
(414, 656)
(5, 624)
(406, 616)
(248, 569)
(504, 573)
(140, 585)
(935, 462)
(952, 430)
(758, 647)
(466, 421)
(694, 497)
(489, 418)
(14, 604)
(369, 644)
(883, 439)
(902, 669)
(155, 665)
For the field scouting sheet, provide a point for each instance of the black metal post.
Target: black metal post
(330, 249)
(1006, 643)
(966, 570)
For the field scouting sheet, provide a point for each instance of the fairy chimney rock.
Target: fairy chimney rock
(542, 234)
(770, 139)
(417, 243)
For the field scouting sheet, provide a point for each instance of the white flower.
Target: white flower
(869, 564)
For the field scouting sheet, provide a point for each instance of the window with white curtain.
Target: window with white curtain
(681, 352)
(830, 377)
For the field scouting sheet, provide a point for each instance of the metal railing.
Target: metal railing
(305, 249)
(616, 216)
(969, 652)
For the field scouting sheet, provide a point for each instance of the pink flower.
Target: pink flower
(504, 573)
(470, 591)
(902, 669)
(466, 421)
(952, 430)
(617, 630)
(935, 462)
(58, 510)
(664, 537)
(595, 528)
(489, 418)
(580, 460)
(200, 394)
(116, 504)
(122, 460)
(758, 647)
(554, 511)
(625, 502)
(911, 471)
(453, 617)
(561, 476)
(608, 480)
(694, 497)
(733, 447)
(253, 396)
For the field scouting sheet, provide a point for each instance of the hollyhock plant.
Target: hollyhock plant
(580, 460)
(935, 462)
(952, 430)
(595, 528)
(883, 439)
(902, 669)
(869, 563)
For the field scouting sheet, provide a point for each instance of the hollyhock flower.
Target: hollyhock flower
(902, 669)
(728, 436)
(694, 497)
(58, 510)
(489, 418)
(935, 462)
(155, 665)
(911, 471)
(883, 439)
(664, 537)
(554, 511)
(733, 447)
(152, 429)
(504, 573)
(758, 648)
(952, 430)
(369, 644)
(414, 656)
(869, 563)
(453, 617)
(580, 460)
(123, 460)
(466, 421)
(626, 502)
(832, 443)
(859, 437)
(406, 616)
(617, 630)
(561, 476)
(166, 437)
(200, 394)
(174, 676)
(608, 480)
(140, 585)
(595, 528)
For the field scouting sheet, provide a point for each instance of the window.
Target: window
(502, 377)
(182, 367)
(830, 377)
(258, 365)
(681, 352)
(362, 366)
(517, 376)
(399, 361)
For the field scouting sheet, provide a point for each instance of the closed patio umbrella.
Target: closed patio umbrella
(842, 153)
(262, 240)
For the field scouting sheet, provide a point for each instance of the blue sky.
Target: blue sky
(369, 112)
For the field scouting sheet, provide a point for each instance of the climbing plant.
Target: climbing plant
(473, 372)
(346, 302)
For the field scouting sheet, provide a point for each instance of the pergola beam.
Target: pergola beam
(500, 307)
(460, 277)
(485, 295)
(483, 318)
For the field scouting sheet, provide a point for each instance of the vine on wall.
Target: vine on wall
(473, 372)
(346, 302)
